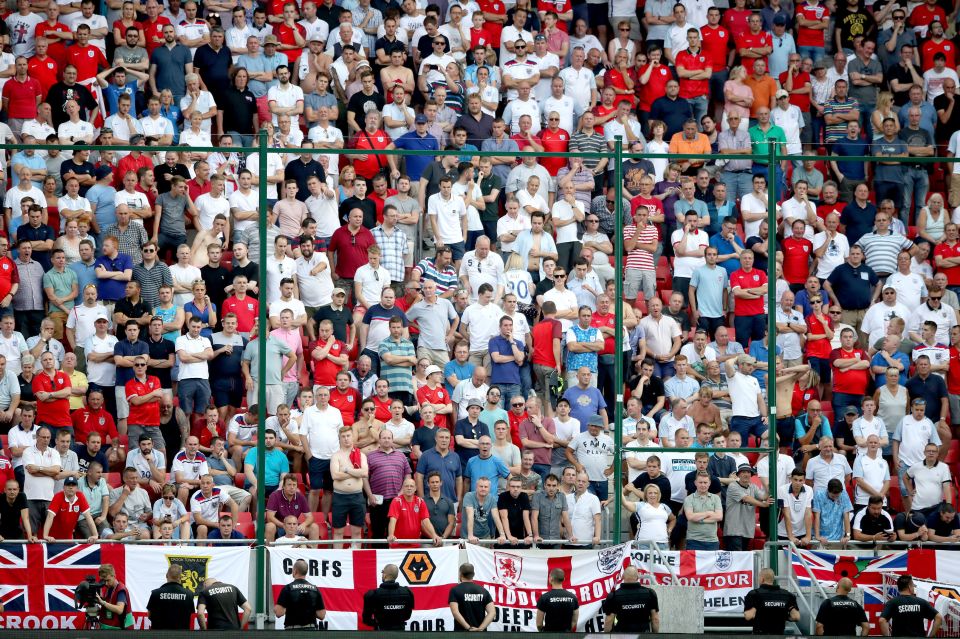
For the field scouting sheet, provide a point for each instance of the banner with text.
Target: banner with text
(344, 576)
(726, 577)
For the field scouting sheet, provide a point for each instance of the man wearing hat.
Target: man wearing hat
(469, 430)
(64, 513)
(418, 139)
(435, 394)
(788, 117)
(743, 499)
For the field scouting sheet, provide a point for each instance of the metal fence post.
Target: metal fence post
(618, 371)
(772, 454)
(261, 600)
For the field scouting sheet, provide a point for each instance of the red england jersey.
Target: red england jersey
(57, 412)
(88, 60)
(738, 21)
(693, 62)
(67, 514)
(246, 311)
(285, 36)
(86, 421)
(655, 87)
(554, 142)
(952, 272)
(796, 259)
(849, 381)
(153, 32)
(148, 413)
(931, 48)
(9, 275)
(716, 45)
(807, 37)
(22, 97)
(325, 371)
(800, 100)
(347, 403)
(436, 396)
(409, 515)
(747, 40)
(44, 71)
(56, 49)
(743, 279)
(494, 28)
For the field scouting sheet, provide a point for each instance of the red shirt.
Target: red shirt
(716, 45)
(850, 381)
(694, 62)
(807, 37)
(753, 279)
(609, 341)
(515, 421)
(196, 190)
(86, 421)
(953, 373)
(44, 71)
(601, 111)
(374, 163)
(747, 40)
(481, 36)
(22, 97)
(796, 259)
(351, 250)
(554, 142)
(382, 407)
(325, 371)
(148, 413)
(738, 21)
(6, 469)
(439, 395)
(88, 60)
(67, 514)
(823, 210)
(275, 7)
(493, 28)
(56, 49)
(57, 412)
(543, 333)
(818, 347)
(559, 7)
(952, 272)
(800, 100)
(246, 311)
(801, 397)
(153, 30)
(931, 48)
(655, 87)
(923, 15)
(345, 402)
(199, 430)
(130, 163)
(285, 36)
(409, 515)
(9, 275)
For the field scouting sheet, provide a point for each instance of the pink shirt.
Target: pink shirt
(294, 341)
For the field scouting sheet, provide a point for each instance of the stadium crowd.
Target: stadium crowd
(441, 350)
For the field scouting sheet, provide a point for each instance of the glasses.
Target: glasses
(369, 409)
(520, 46)
(561, 276)
(149, 250)
(553, 119)
(834, 312)
(139, 365)
(517, 405)
(439, 44)
(935, 299)
(816, 302)
(898, 18)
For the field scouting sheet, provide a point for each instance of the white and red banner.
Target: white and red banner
(726, 577)
(344, 576)
(37, 580)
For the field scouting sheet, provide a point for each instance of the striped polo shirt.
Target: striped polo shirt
(881, 251)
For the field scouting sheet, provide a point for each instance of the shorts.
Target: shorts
(194, 395)
(359, 308)
(786, 429)
(320, 476)
(954, 408)
(348, 507)
(275, 396)
(820, 366)
(123, 407)
(458, 249)
(135, 430)
(600, 489)
(227, 392)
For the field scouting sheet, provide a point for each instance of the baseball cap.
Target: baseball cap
(850, 410)
(780, 20)
(71, 481)
(595, 420)
(782, 94)
(102, 171)
(338, 291)
(433, 368)
(746, 468)
(101, 315)
(420, 119)
(270, 39)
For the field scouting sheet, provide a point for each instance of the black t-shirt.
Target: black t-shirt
(222, 602)
(217, 278)
(542, 287)
(937, 526)
(161, 350)
(84, 168)
(840, 615)
(870, 525)
(759, 261)
(341, 319)
(690, 477)
(171, 435)
(558, 606)
(906, 614)
(633, 605)
(170, 607)
(900, 74)
(302, 600)
(472, 601)
(131, 310)
(652, 391)
(366, 205)
(514, 507)
(360, 104)
(26, 388)
(388, 607)
(944, 131)
(10, 527)
(251, 270)
(425, 438)
(163, 170)
(84, 458)
(932, 389)
(773, 605)
(643, 480)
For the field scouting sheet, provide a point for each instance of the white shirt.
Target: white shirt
(294, 305)
(564, 106)
(80, 130)
(564, 300)
(743, 394)
(241, 202)
(209, 207)
(913, 436)
(209, 507)
(910, 288)
(684, 266)
(95, 21)
(785, 466)
(489, 270)
(797, 508)
(582, 513)
(397, 112)
(510, 224)
(101, 373)
(193, 346)
(137, 461)
(274, 163)
(563, 211)
(190, 468)
(330, 135)
(874, 471)
(928, 484)
(39, 486)
(315, 290)
(945, 318)
(448, 214)
(372, 282)
(793, 209)
(579, 84)
(878, 316)
(156, 127)
(284, 97)
(19, 438)
(322, 429)
(483, 322)
(753, 204)
(835, 255)
(791, 121)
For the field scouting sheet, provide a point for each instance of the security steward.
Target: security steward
(471, 605)
(300, 602)
(389, 606)
(218, 604)
(769, 607)
(171, 605)
(632, 607)
(115, 602)
(840, 615)
(905, 613)
(557, 609)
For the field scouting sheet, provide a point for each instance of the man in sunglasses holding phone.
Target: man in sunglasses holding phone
(143, 395)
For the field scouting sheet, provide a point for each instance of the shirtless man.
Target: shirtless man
(786, 377)
(216, 236)
(348, 467)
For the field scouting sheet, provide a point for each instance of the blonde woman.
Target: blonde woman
(654, 520)
(932, 220)
(622, 43)
(201, 306)
(169, 509)
(883, 111)
(69, 242)
(738, 97)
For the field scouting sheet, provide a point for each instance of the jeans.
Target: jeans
(888, 191)
(682, 285)
(170, 241)
(733, 543)
(699, 107)
(818, 125)
(916, 185)
(806, 133)
(244, 141)
(693, 544)
(748, 327)
(710, 324)
(866, 124)
(814, 53)
(508, 392)
(526, 379)
(599, 488)
(543, 470)
(738, 184)
(842, 400)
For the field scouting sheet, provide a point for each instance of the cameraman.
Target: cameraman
(115, 602)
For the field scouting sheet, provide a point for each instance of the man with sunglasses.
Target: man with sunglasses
(143, 394)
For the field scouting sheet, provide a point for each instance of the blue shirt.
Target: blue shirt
(584, 404)
(903, 358)
(85, 275)
(113, 290)
(710, 284)
(802, 424)
(215, 534)
(35, 162)
(831, 513)
(845, 147)
(449, 467)
(416, 164)
(725, 247)
(103, 198)
(126, 348)
(492, 467)
(507, 372)
(469, 431)
(462, 371)
(275, 465)
(112, 93)
(761, 353)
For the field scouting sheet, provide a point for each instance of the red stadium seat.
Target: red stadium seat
(244, 517)
(247, 529)
(114, 480)
(894, 498)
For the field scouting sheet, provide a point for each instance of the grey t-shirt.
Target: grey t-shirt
(549, 512)
(439, 512)
(740, 518)
(171, 216)
(137, 503)
(483, 525)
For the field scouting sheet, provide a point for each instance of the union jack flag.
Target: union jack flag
(41, 578)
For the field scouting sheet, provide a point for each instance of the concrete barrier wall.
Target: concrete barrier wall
(681, 608)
